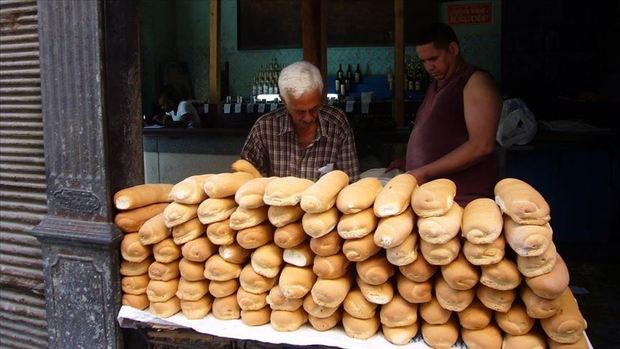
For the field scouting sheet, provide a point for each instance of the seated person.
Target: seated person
(178, 113)
(305, 138)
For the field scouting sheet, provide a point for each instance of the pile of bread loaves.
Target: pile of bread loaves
(400, 257)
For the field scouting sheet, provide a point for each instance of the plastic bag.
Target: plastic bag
(517, 125)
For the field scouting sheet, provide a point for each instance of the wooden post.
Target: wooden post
(314, 34)
(214, 52)
(398, 104)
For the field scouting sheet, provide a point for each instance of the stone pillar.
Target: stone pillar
(89, 56)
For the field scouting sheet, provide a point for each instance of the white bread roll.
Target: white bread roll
(489, 337)
(441, 229)
(321, 195)
(527, 240)
(165, 309)
(398, 312)
(320, 224)
(358, 196)
(376, 270)
(485, 254)
(192, 290)
(191, 271)
(357, 225)
(190, 190)
(358, 306)
(498, 300)
(515, 321)
(187, 231)
(482, 221)
(433, 313)
(441, 254)
(198, 309)
(330, 293)
(324, 324)
(135, 284)
(376, 294)
(267, 259)
(316, 310)
(225, 184)
(198, 250)
(581, 343)
(132, 220)
(460, 274)
(164, 271)
(250, 301)
(501, 276)
(394, 198)
(277, 301)
(358, 250)
(142, 195)
(216, 210)
(175, 214)
(567, 325)
(290, 235)
(244, 218)
(154, 230)
(135, 268)
(532, 340)
(234, 253)
(476, 316)
(326, 245)
(253, 282)
(256, 317)
(419, 271)
(226, 308)
(300, 255)
(538, 307)
(405, 253)
(221, 289)
(331, 267)
(250, 194)
(392, 231)
(538, 265)
(166, 251)
(217, 269)
(256, 236)
(414, 292)
(132, 250)
(220, 233)
(451, 299)
(286, 321)
(243, 165)
(161, 291)
(521, 202)
(285, 191)
(552, 284)
(442, 336)
(280, 216)
(433, 198)
(296, 282)
(138, 301)
(400, 335)
(360, 328)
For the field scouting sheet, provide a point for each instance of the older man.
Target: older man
(305, 138)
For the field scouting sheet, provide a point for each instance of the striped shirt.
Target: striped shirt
(272, 146)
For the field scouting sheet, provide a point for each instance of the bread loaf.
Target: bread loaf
(217, 269)
(441, 229)
(324, 324)
(250, 301)
(552, 284)
(300, 255)
(256, 236)
(442, 336)
(441, 254)
(166, 251)
(400, 335)
(567, 325)
(250, 194)
(521, 202)
(330, 293)
(360, 328)
(482, 221)
(489, 337)
(165, 309)
(433, 198)
(132, 220)
(358, 306)
(216, 210)
(414, 292)
(476, 316)
(187, 231)
(135, 285)
(164, 272)
(358, 250)
(331, 267)
(244, 218)
(191, 271)
(538, 265)
(532, 340)
(405, 253)
(485, 254)
(285, 191)
(161, 291)
(433, 313)
(277, 301)
(234, 253)
(460, 274)
(225, 184)
(192, 290)
(220, 233)
(190, 191)
(527, 240)
(280, 216)
(132, 250)
(138, 301)
(316, 310)
(286, 321)
(198, 250)
(358, 196)
(581, 343)
(198, 309)
(320, 224)
(395, 197)
(154, 230)
(296, 282)
(326, 245)
(515, 321)
(253, 282)
(226, 308)
(501, 276)
(538, 307)
(357, 225)
(135, 268)
(175, 214)
(289, 235)
(398, 312)
(321, 196)
(451, 299)
(221, 289)
(392, 231)
(498, 300)
(419, 270)
(243, 165)
(266, 260)
(142, 195)
(376, 294)
(376, 270)
(256, 317)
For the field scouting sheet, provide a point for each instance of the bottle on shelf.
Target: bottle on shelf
(337, 84)
(347, 84)
(349, 73)
(357, 76)
(343, 90)
(390, 80)
(339, 74)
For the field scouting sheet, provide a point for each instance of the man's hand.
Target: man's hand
(419, 175)
(398, 163)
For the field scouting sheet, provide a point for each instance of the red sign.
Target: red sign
(470, 14)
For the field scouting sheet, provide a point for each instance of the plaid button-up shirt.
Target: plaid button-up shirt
(272, 146)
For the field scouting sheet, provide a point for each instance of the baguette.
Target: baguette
(376, 294)
(161, 291)
(527, 240)
(135, 268)
(476, 316)
(414, 292)
(356, 305)
(266, 260)
(538, 265)
(192, 290)
(360, 328)
(521, 202)
(442, 336)
(219, 289)
(138, 301)
(441, 254)
(400, 335)
(142, 195)
(256, 317)
(441, 229)
(216, 210)
(175, 214)
(277, 301)
(532, 340)
(165, 309)
(433, 198)
(489, 337)
(217, 269)
(419, 271)
(223, 185)
(375, 270)
(482, 221)
(552, 284)
(433, 313)
(244, 218)
(254, 282)
(320, 224)
(359, 250)
(290, 235)
(190, 191)
(567, 325)
(405, 253)
(498, 300)
(132, 250)
(581, 343)
(220, 233)
(321, 195)
(324, 324)
(198, 250)
(538, 307)
(501, 276)
(451, 299)
(250, 301)
(250, 194)
(286, 321)
(296, 282)
(398, 312)
(191, 271)
(316, 310)
(331, 267)
(154, 230)
(395, 197)
(243, 165)
(330, 293)
(188, 231)
(132, 220)
(226, 308)
(392, 231)
(358, 196)
(327, 245)
(460, 274)
(485, 254)
(166, 251)
(256, 236)
(164, 272)
(234, 253)
(515, 321)
(300, 255)
(284, 215)
(357, 225)
(197, 309)
(135, 285)
(285, 191)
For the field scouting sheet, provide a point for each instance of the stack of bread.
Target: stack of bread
(401, 257)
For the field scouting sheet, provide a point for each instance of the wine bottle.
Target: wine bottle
(339, 74)
(349, 73)
(357, 77)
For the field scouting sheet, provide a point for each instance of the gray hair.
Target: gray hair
(298, 79)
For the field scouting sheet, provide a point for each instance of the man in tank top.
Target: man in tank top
(455, 126)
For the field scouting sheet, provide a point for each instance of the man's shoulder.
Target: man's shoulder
(271, 117)
(334, 116)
